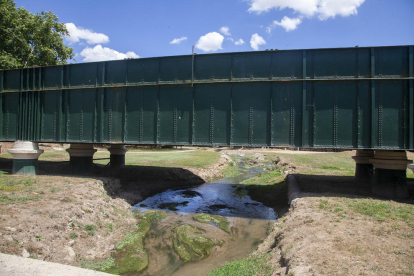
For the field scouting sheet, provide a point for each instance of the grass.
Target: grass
(171, 158)
(339, 163)
(197, 159)
(254, 265)
(383, 211)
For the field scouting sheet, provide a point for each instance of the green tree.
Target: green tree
(28, 39)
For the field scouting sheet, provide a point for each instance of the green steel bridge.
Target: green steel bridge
(343, 98)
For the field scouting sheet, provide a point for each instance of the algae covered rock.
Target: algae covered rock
(190, 244)
(130, 255)
(216, 219)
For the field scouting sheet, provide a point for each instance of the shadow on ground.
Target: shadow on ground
(344, 186)
(135, 182)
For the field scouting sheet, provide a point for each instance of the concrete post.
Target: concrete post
(25, 156)
(117, 157)
(363, 168)
(390, 174)
(81, 158)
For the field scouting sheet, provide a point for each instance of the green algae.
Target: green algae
(216, 219)
(130, 255)
(190, 245)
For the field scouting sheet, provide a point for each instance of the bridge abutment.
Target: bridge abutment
(389, 178)
(25, 157)
(81, 158)
(363, 168)
(117, 157)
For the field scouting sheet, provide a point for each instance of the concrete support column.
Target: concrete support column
(81, 158)
(25, 156)
(363, 168)
(117, 156)
(390, 174)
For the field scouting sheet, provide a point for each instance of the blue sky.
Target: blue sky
(103, 30)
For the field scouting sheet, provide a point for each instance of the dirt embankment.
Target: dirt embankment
(342, 234)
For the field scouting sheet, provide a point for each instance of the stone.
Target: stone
(10, 229)
(71, 254)
(25, 254)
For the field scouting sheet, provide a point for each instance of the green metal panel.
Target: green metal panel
(116, 72)
(340, 98)
(149, 115)
(10, 116)
(49, 116)
(203, 112)
(260, 96)
(183, 112)
(390, 114)
(133, 114)
(241, 66)
(11, 80)
(260, 66)
(167, 123)
(281, 114)
(222, 115)
(346, 131)
(212, 114)
(287, 64)
(84, 74)
(175, 69)
(241, 115)
(52, 77)
(364, 114)
(324, 114)
(213, 68)
(114, 114)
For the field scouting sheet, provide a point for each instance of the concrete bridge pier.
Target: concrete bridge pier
(81, 158)
(390, 174)
(25, 156)
(363, 168)
(117, 157)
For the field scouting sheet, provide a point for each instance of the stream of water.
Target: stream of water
(249, 222)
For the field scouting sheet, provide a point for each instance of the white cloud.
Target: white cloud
(225, 30)
(99, 53)
(324, 9)
(210, 42)
(289, 24)
(78, 33)
(256, 41)
(231, 39)
(178, 40)
(239, 42)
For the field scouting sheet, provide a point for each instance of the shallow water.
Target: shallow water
(249, 222)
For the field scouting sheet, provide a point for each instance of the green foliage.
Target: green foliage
(255, 265)
(31, 39)
(73, 235)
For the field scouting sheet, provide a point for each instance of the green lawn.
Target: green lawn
(158, 158)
